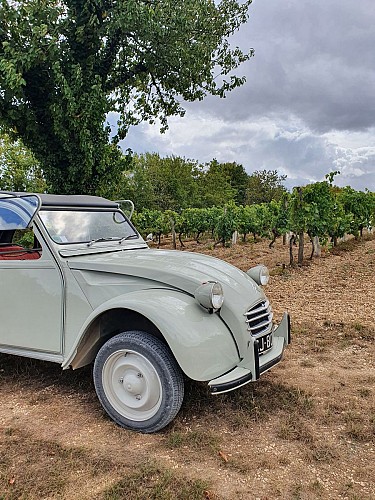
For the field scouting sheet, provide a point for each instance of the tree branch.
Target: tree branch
(124, 76)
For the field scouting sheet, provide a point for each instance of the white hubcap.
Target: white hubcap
(132, 385)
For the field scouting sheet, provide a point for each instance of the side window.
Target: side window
(20, 244)
(25, 238)
(17, 241)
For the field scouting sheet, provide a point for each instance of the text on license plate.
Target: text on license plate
(264, 343)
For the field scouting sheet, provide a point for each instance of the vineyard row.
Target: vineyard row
(319, 210)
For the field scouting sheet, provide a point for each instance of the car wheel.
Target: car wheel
(138, 381)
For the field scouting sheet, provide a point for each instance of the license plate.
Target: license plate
(264, 343)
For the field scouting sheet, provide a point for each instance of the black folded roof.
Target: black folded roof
(61, 200)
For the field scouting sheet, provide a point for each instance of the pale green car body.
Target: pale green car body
(63, 305)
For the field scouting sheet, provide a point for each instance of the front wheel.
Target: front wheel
(138, 381)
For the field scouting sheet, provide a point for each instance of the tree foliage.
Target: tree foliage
(162, 183)
(228, 180)
(19, 170)
(175, 183)
(264, 186)
(64, 65)
(360, 205)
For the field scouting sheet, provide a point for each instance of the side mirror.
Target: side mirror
(129, 210)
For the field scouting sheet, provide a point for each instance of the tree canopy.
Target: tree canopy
(175, 183)
(19, 169)
(161, 183)
(264, 186)
(65, 64)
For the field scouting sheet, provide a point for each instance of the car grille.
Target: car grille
(259, 318)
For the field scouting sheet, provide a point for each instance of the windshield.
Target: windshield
(86, 226)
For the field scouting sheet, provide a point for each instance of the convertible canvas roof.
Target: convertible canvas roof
(60, 200)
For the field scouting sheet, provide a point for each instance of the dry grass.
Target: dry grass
(154, 482)
(36, 468)
(306, 430)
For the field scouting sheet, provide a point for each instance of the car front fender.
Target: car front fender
(201, 343)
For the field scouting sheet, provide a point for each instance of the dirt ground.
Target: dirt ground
(306, 430)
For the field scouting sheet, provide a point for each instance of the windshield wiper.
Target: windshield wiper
(103, 239)
(112, 238)
(129, 237)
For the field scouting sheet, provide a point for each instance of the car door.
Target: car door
(31, 293)
(31, 303)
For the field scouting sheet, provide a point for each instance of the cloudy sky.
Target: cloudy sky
(308, 106)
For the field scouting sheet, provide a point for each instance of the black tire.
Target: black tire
(138, 381)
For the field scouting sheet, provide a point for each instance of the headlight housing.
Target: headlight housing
(259, 274)
(210, 295)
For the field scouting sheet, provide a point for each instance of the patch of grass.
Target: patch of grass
(316, 487)
(242, 465)
(294, 428)
(361, 427)
(306, 363)
(334, 324)
(31, 468)
(350, 491)
(197, 439)
(300, 490)
(333, 335)
(249, 404)
(279, 271)
(364, 392)
(345, 246)
(321, 452)
(153, 482)
(361, 332)
(296, 491)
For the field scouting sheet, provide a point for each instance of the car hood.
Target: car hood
(181, 270)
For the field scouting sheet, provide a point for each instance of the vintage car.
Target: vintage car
(79, 285)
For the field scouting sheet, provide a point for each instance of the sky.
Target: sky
(308, 104)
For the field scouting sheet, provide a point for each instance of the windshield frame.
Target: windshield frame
(89, 242)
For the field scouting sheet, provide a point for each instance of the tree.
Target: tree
(264, 186)
(19, 170)
(64, 65)
(232, 174)
(162, 183)
(216, 186)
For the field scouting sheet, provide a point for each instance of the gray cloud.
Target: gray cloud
(312, 59)
(308, 106)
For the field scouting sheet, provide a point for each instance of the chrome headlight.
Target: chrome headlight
(259, 274)
(210, 295)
